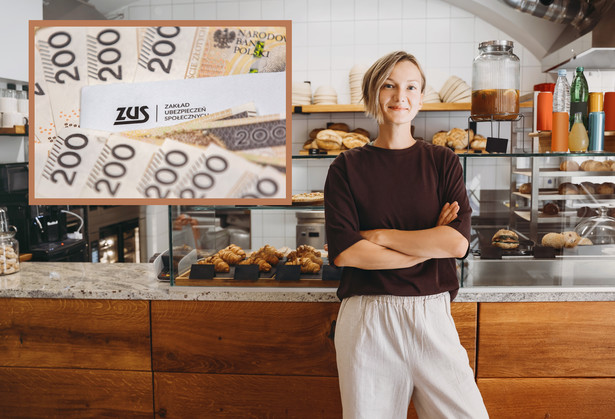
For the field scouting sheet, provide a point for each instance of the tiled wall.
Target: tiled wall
(331, 36)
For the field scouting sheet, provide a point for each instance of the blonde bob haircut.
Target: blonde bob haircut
(375, 77)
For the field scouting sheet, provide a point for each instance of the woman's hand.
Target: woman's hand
(448, 213)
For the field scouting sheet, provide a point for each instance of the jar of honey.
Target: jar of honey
(495, 82)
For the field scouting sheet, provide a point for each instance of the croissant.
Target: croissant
(268, 255)
(229, 257)
(308, 266)
(236, 249)
(305, 248)
(219, 264)
(263, 266)
(273, 250)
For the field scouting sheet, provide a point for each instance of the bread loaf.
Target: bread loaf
(525, 188)
(569, 166)
(314, 133)
(606, 188)
(555, 240)
(478, 143)
(329, 139)
(568, 188)
(571, 238)
(362, 132)
(457, 138)
(439, 138)
(339, 126)
(550, 209)
(353, 140)
(587, 188)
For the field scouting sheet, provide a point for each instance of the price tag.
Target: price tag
(199, 271)
(246, 272)
(288, 273)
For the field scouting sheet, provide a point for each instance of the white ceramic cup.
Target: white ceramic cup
(11, 119)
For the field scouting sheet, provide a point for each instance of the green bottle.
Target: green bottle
(579, 94)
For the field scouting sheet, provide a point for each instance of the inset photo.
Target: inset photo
(160, 112)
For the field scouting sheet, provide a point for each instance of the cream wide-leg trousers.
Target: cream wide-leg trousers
(390, 349)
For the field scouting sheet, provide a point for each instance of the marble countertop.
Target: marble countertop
(137, 281)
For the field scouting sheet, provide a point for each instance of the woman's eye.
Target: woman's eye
(411, 87)
(388, 86)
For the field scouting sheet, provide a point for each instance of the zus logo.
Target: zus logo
(131, 115)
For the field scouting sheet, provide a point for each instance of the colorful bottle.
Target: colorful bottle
(561, 110)
(579, 94)
(578, 141)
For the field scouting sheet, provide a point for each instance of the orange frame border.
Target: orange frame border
(35, 24)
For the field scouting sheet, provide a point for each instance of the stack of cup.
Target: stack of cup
(325, 95)
(356, 81)
(10, 115)
(302, 93)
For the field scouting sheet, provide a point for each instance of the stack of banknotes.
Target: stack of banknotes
(142, 113)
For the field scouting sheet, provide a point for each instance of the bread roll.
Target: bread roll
(457, 138)
(309, 144)
(568, 188)
(569, 166)
(339, 126)
(315, 132)
(596, 166)
(550, 209)
(439, 138)
(329, 139)
(587, 188)
(606, 188)
(362, 132)
(525, 188)
(610, 164)
(478, 143)
(586, 212)
(584, 242)
(585, 163)
(571, 238)
(555, 240)
(353, 140)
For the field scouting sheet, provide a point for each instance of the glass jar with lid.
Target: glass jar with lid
(599, 229)
(9, 246)
(495, 82)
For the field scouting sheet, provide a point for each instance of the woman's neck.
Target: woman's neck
(394, 136)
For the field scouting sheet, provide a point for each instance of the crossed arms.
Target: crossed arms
(395, 249)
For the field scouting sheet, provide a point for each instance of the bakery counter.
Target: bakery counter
(488, 281)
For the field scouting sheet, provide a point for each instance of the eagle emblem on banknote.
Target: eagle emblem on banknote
(223, 38)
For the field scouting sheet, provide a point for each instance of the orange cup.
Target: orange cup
(609, 111)
(544, 111)
(559, 134)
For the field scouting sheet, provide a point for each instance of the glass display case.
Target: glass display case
(559, 206)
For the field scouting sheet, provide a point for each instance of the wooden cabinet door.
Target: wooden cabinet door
(552, 339)
(273, 338)
(566, 398)
(98, 334)
(74, 393)
(189, 395)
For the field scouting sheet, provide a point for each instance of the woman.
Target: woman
(397, 216)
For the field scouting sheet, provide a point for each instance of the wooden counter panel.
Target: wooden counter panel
(244, 337)
(187, 395)
(464, 315)
(99, 334)
(63, 393)
(578, 398)
(559, 339)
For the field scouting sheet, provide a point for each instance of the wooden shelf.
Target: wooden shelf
(427, 107)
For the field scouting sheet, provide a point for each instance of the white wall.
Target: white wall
(14, 18)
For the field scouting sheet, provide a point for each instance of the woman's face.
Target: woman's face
(400, 95)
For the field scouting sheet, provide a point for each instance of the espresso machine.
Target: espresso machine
(42, 230)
